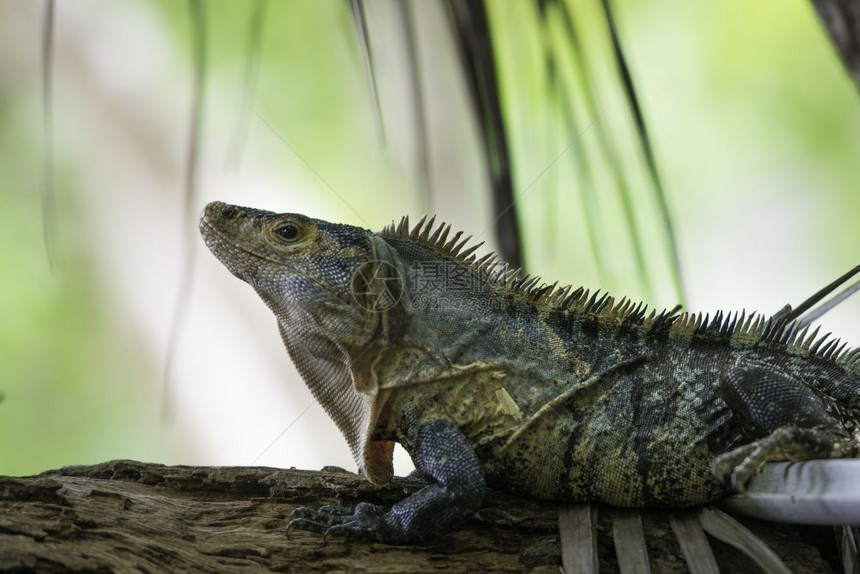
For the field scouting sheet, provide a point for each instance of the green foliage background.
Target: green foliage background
(754, 121)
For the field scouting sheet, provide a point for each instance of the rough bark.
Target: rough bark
(123, 516)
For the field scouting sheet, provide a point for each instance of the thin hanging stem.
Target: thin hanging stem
(48, 208)
(198, 27)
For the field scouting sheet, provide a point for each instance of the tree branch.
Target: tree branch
(132, 516)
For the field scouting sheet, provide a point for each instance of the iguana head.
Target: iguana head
(329, 285)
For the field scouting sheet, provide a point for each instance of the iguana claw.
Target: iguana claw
(737, 467)
(367, 522)
(734, 468)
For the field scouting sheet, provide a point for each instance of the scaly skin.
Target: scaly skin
(487, 378)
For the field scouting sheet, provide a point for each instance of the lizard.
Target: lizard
(489, 378)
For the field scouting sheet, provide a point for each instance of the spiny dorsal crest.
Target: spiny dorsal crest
(738, 329)
(436, 236)
(493, 270)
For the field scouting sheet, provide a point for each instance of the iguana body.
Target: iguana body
(487, 378)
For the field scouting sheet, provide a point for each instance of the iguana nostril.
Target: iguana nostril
(229, 211)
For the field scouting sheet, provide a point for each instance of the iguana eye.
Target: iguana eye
(288, 232)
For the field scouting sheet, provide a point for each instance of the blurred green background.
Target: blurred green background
(755, 125)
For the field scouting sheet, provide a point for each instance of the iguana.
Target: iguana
(489, 378)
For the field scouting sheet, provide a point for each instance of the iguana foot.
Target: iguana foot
(367, 522)
(737, 467)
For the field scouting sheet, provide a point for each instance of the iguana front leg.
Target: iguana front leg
(791, 415)
(443, 456)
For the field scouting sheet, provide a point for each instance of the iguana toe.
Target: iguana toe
(366, 522)
(790, 443)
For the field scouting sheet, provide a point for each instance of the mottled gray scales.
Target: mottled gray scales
(488, 377)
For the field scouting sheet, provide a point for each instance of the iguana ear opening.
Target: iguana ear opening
(376, 284)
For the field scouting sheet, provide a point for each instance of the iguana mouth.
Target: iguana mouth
(216, 240)
(224, 246)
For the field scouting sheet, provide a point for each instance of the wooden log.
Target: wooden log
(123, 516)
